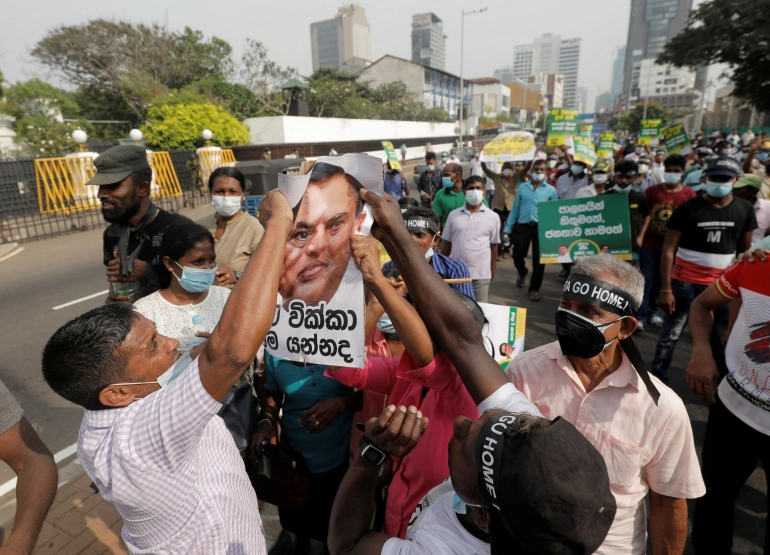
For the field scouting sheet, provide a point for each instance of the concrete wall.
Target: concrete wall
(294, 129)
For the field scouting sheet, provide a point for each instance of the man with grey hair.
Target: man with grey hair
(594, 377)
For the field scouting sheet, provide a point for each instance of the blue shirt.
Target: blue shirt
(394, 184)
(448, 268)
(524, 209)
(303, 387)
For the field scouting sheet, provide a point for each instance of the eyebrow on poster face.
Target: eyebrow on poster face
(332, 220)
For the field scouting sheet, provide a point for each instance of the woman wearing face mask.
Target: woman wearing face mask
(236, 234)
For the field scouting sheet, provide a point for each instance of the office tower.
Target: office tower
(345, 36)
(504, 75)
(569, 61)
(651, 25)
(428, 40)
(617, 71)
(549, 54)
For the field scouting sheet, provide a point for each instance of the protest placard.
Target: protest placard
(504, 334)
(390, 152)
(606, 145)
(584, 151)
(585, 131)
(576, 228)
(649, 131)
(676, 140)
(562, 124)
(509, 147)
(319, 313)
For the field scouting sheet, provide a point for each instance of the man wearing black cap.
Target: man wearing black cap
(595, 378)
(508, 468)
(703, 236)
(131, 244)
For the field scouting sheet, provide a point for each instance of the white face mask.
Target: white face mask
(226, 206)
(643, 168)
(551, 164)
(474, 197)
(507, 172)
(169, 375)
(538, 177)
(601, 178)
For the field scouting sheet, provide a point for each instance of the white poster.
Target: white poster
(319, 316)
(504, 335)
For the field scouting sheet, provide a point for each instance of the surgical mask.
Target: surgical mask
(763, 156)
(459, 506)
(578, 336)
(576, 169)
(446, 182)
(474, 197)
(672, 178)
(601, 178)
(196, 280)
(431, 168)
(639, 150)
(697, 188)
(176, 369)
(643, 168)
(620, 189)
(538, 177)
(551, 164)
(719, 190)
(429, 252)
(226, 206)
(507, 172)
(385, 325)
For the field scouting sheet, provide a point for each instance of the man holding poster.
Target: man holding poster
(320, 309)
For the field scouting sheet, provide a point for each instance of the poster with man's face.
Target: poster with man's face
(504, 334)
(319, 314)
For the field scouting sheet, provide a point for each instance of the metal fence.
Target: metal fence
(21, 220)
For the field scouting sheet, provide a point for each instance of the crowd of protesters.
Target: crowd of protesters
(432, 446)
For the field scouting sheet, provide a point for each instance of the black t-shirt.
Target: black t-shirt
(150, 252)
(638, 209)
(708, 229)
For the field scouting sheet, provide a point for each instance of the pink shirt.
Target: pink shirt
(439, 393)
(645, 447)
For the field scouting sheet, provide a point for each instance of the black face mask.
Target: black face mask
(580, 337)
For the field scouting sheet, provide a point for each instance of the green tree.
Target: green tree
(38, 98)
(97, 104)
(239, 101)
(735, 33)
(179, 126)
(632, 121)
(263, 77)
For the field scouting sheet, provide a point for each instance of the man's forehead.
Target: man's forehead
(141, 330)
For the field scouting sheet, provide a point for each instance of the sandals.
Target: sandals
(535, 296)
(519, 282)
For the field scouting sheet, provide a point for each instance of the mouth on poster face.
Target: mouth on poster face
(312, 271)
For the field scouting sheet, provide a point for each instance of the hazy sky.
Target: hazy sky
(284, 27)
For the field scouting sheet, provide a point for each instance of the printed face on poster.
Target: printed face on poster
(504, 335)
(319, 314)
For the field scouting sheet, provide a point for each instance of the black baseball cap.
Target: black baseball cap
(548, 490)
(723, 165)
(117, 163)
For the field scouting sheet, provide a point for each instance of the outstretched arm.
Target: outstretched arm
(448, 320)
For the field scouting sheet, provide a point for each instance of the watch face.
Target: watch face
(372, 455)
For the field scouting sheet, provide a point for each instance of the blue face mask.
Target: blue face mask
(718, 190)
(621, 190)
(446, 181)
(763, 156)
(576, 169)
(196, 280)
(458, 505)
(175, 371)
(385, 325)
(698, 188)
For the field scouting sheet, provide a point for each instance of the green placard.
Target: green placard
(649, 130)
(676, 139)
(561, 125)
(586, 130)
(392, 156)
(606, 145)
(576, 228)
(584, 151)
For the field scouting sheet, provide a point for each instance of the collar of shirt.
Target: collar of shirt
(623, 376)
(481, 208)
(103, 418)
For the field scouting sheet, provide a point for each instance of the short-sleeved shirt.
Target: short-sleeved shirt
(447, 268)
(173, 472)
(637, 209)
(150, 252)
(10, 411)
(448, 200)
(646, 447)
(394, 184)
(710, 237)
(239, 241)
(762, 213)
(303, 387)
(745, 391)
(472, 235)
(641, 186)
(662, 204)
(568, 185)
(505, 190)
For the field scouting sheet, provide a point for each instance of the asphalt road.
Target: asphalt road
(56, 271)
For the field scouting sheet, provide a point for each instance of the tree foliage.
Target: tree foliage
(632, 121)
(239, 100)
(735, 33)
(263, 77)
(38, 98)
(179, 126)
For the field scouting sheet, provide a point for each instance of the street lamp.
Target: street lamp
(136, 136)
(462, 87)
(207, 135)
(80, 137)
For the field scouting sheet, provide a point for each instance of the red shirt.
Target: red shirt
(662, 204)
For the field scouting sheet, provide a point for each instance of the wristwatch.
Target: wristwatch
(370, 453)
(237, 275)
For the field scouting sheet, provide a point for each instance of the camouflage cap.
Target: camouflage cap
(117, 163)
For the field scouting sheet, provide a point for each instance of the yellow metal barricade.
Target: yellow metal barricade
(165, 182)
(61, 184)
(212, 158)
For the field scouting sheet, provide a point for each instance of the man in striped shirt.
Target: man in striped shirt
(702, 238)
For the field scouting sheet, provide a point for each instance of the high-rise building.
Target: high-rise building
(651, 25)
(617, 71)
(504, 74)
(428, 40)
(605, 102)
(549, 54)
(551, 87)
(345, 36)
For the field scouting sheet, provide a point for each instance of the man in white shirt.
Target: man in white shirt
(453, 159)
(151, 438)
(506, 464)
